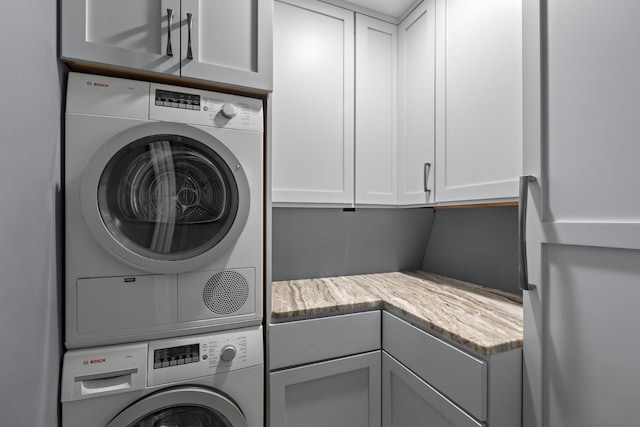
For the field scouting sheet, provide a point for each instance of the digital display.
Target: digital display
(173, 356)
(186, 101)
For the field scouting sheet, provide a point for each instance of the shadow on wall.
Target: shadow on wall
(479, 245)
(315, 242)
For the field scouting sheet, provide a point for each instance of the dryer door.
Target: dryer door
(165, 198)
(181, 407)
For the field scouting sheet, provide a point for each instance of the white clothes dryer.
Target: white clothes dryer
(164, 211)
(206, 380)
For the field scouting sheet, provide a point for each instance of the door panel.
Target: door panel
(583, 228)
(231, 41)
(594, 99)
(479, 100)
(416, 106)
(590, 337)
(313, 120)
(342, 392)
(122, 33)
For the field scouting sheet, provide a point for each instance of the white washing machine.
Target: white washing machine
(164, 211)
(213, 380)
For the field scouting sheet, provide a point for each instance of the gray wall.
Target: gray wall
(478, 245)
(30, 122)
(315, 242)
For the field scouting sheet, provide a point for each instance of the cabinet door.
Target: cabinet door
(583, 215)
(479, 99)
(376, 112)
(416, 110)
(313, 151)
(122, 33)
(231, 41)
(343, 392)
(407, 401)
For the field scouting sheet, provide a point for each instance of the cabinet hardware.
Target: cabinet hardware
(522, 231)
(189, 25)
(170, 20)
(427, 168)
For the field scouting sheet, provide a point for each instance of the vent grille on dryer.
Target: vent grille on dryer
(226, 292)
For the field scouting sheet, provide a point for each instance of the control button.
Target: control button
(188, 360)
(229, 111)
(228, 353)
(205, 357)
(196, 358)
(165, 363)
(157, 364)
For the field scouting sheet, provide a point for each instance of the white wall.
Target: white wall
(30, 123)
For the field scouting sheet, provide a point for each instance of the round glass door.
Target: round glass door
(167, 197)
(187, 406)
(183, 416)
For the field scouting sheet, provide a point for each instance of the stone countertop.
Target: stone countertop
(482, 319)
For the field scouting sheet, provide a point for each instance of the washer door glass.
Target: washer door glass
(183, 416)
(188, 406)
(167, 197)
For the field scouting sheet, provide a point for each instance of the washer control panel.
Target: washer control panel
(174, 356)
(196, 356)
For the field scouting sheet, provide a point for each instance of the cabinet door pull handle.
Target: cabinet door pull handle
(522, 231)
(170, 21)
(427, 169)
(189, 25)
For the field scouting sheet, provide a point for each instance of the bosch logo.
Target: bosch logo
(100, 84)
(95, 361)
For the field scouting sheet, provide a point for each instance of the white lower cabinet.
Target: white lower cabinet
(408, 401)
(373, 369)
(343, 392)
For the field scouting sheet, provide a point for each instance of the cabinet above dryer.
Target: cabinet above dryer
(228, 43)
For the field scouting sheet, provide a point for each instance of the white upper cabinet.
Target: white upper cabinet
(231, 42)
(416, 109)
(376, 112)
(313, 104)
(478, 99)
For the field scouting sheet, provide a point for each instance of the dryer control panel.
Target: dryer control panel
(197, 356)
(206, 108)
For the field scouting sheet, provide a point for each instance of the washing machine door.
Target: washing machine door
(182, 407)
(165, 197)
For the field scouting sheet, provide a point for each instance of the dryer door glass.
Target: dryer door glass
(183, 416)
(167, 197)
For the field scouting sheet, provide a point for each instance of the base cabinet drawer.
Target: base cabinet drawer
(342, 392)
(408, 401)
(457, 374)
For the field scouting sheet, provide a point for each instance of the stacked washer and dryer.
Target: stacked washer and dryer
(164, 229)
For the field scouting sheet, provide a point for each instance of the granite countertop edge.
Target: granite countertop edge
(419, 298)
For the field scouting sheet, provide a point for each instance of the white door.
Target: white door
(582, 124)
(313, 120)
(416, 105)
(228, 41)
(478, 99)
(376, 111)
(143, 35)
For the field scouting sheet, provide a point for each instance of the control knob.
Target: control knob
(227, 353)
(229, 111)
